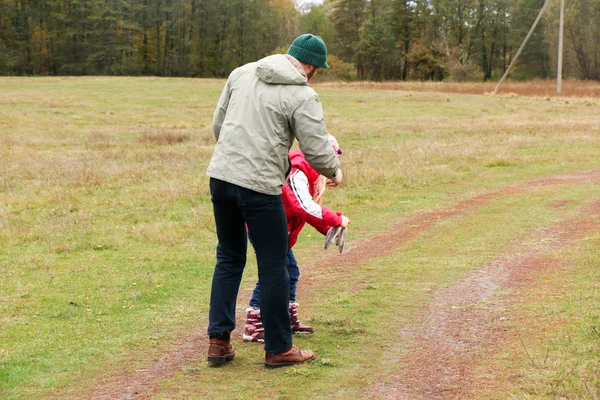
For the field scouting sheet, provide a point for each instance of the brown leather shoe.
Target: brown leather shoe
(220, 351)
(293, 356)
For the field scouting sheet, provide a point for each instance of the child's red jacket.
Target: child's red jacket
(298, 202)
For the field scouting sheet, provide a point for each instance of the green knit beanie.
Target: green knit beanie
(309, 49)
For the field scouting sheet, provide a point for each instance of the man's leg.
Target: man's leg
(267, 223)
(231, 257)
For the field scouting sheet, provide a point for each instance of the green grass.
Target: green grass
(558, 356)
(107, 239)
(362, 313)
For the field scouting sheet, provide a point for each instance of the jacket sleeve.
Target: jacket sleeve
(300, 202)
(307, 123)
(221, 109)
(324, 227)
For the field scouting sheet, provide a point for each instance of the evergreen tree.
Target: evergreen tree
(403, 27)
(385, 39)
(375, 51)
(582, 32)
(347, 17)
(534, 60)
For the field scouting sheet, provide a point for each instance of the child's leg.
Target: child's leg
(294, 273)
(255, 300)
(254, 331)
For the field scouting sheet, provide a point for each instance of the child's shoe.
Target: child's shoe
(297, 327)
(254, 331)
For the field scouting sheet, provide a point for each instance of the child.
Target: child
(301, 196)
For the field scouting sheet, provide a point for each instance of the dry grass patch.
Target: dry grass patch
(537, 88)
(163, 137)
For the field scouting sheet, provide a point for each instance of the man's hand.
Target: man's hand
(337, 180)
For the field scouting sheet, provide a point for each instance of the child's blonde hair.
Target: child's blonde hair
(319, 189)
(321, 183)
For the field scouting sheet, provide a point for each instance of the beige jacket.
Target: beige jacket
(264, 106)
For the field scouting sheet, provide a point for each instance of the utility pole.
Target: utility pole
(522, 45)
(560, 47)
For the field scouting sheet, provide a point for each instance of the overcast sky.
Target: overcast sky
(306, 2)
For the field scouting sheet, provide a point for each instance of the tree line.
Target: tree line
(367, 39)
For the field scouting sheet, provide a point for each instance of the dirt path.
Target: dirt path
(464, 324)
(454, 320)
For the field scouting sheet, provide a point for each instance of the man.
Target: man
(264, 106)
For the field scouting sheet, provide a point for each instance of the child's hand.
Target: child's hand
(345, 221)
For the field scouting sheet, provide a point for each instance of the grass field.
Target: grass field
(537, 88)
(107, 240)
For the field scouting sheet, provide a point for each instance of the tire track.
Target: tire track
(142, 383)
(463, 325)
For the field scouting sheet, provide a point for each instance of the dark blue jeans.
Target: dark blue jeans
(234, 208)
(293, 272)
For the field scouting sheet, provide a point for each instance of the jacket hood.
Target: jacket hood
(278, 70)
